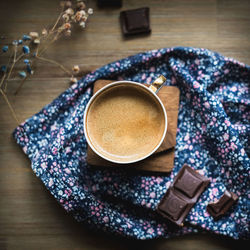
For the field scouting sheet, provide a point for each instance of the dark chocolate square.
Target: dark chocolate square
(183, 193)
(172, 205)
(109, 3)
(188, 183)
(135, 21)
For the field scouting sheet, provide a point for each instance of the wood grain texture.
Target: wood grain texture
(163, 159)
(29, 216)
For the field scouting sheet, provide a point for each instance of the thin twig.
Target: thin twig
(57, 20)
(2, 80)
(18, 58)
(45, 45)
(54, 62)
(9, 105)
(22, 82)
(20, 85)
(37, 48)
(4, 84)
(48, 44)
(50, 38)
(13, 64)
(52, 30)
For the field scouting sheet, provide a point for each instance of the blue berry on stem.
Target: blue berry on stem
(5, 48)
(26, 61)
(22, 74)
(26, 38)
(3, 68)
(26, 49)
(29, 70)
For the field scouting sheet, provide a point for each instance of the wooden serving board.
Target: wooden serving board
(163, 159)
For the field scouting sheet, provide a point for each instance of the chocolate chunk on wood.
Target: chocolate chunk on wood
(135, 21)
(183, 193)
(109, 3)
(219, 208)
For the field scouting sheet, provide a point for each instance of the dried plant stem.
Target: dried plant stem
(18, 58)
(43, 59)
(52, 31)
(4, 83)
(57, 20)
(2, 80)
(15, 60)
(3, 92)
(20, 85)
(48, 38)
(49, 43)
(37, 49)
(13, 63)
(54, 62)
(9, 105)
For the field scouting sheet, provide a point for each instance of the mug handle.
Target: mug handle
(157, 84)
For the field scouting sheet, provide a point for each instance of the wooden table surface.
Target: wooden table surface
(29, 216)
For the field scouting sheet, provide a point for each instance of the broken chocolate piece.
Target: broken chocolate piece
(109, 3)
(135, 21)
(219, 208)
(174, 207)
(182, 195)
(189, 182)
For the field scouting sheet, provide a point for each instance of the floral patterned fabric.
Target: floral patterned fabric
(212, 137)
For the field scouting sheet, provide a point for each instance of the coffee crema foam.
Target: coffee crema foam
(125, 123)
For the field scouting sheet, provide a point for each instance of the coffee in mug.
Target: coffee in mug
(125, 122)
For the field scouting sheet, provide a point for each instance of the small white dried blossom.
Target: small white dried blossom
(68, 32)
(73, 80)
(34, 35)
(69, 11)
(73, 18)
(67, 26)
(68, 4)
(83, 13)
(84, 18)
(62, 3)
(36, 41)
(90, 11)
(76, 68)
(82, 24)
(78, 16)
(81, 5)
(44, 32)
(65, 17)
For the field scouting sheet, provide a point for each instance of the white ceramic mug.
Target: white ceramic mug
(152, 90)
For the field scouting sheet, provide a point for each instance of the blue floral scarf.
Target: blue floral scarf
(212, 137)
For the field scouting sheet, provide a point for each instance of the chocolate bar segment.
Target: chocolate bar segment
(173, 207)
(182, 194)
(109, 3)
(135, 21)
(190, 182)
(219, 208)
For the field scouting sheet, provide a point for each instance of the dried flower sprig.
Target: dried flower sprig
(32, 47)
